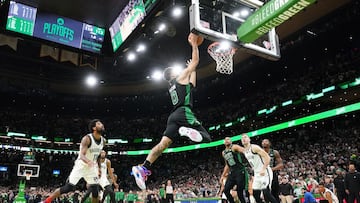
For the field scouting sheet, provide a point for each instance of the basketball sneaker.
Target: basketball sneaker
(192, 134)
(140, 173)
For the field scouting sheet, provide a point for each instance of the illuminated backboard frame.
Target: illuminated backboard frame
(24, 169)
(267, 46)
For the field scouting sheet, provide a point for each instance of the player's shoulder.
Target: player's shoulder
(86, 137)
(255, 146)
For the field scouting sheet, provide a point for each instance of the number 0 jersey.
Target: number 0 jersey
(180, 95)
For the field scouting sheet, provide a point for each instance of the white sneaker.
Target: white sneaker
(192, 134)
(140, 173)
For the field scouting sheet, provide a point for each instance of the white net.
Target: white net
(223, 57)
(27, 176)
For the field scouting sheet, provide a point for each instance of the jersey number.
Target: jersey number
(174, 97)
(230, 159)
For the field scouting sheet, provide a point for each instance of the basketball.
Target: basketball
(199, 41)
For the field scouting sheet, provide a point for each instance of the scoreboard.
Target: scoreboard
(21, 18)
(129, 18)
(26, 20)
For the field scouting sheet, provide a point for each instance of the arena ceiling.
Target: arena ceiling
(118, 74)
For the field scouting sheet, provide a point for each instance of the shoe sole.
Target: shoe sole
(183, 131)
(138, 178)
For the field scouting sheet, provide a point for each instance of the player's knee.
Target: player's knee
(94, 190)
(109, 189)
(67, 188)
(206, 137)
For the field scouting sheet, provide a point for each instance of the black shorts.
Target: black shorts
(183, 116)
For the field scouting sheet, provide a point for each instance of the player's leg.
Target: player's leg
(141, 172)
(108, 190)
(86, 195)
(275, 186)
(94, 190)
(267, 180)
(69, 186)
(257, 188)
(91, 176)
(190, 126)
(229, 184)
(241, 183)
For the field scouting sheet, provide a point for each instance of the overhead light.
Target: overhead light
(131, 56)
(177, 68)
(236, 14)
(162, 27)
(91, 81)
(177, 11)
(141, 48)
(244, 13)
(157, 75)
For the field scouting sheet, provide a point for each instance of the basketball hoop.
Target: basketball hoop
(27, 176)
(223, 57)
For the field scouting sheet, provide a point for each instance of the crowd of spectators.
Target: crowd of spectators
(311, 153)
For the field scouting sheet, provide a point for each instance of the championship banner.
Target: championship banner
(9, 41)
(272, 14)
(87, 60)
(49, 51)
(69, 56)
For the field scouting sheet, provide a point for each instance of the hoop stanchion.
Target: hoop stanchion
(223, 57)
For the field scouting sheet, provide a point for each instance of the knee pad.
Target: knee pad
(94, 189)
(67, 188)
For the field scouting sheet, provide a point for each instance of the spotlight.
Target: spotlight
(141, 48)
(91, 81)
(131, 56)
(177, 12)
(157, 75)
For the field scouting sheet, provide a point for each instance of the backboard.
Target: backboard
(24, 169)
(218, 20)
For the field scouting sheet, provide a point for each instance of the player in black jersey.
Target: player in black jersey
(276, 165)
(182, 121)
(236, 170)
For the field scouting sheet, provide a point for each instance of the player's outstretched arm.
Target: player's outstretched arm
(238, 148)
(185, 76)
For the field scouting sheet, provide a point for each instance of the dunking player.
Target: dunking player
(276, 165)
(182, 121)
(105, 168)
(236, 170)
(259, 161)
(86, 164)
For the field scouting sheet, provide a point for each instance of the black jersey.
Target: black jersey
(180, 94)
(234, 160)
(272, 158)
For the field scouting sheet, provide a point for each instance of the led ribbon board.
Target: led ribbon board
(269, 16)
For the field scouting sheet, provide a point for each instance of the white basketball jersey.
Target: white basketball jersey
(94, 150)
(254, 159)
(333, 196)
(103, 168)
